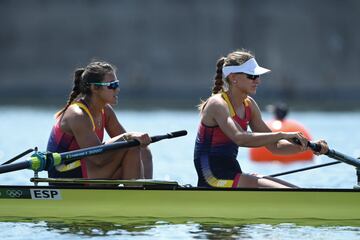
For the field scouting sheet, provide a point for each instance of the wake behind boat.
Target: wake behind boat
(113, 200)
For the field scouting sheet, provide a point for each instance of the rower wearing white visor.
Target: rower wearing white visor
(250, 67)
(224, 121)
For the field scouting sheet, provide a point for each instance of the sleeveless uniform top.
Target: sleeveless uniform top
(215, 154)
(60, 141)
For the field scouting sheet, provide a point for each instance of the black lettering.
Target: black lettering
(53, 193)
(45, 194)
(37, 193)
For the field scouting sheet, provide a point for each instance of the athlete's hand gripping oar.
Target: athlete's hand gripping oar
(43, 161)
(336, 155)
(330, 153)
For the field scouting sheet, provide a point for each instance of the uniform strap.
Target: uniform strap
(86, 109)
(230, 106)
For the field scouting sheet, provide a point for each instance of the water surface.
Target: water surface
(24, 128)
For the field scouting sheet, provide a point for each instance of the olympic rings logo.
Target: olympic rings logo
(14, 193)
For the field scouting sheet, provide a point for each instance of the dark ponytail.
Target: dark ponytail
(75, 91)
(218, 82)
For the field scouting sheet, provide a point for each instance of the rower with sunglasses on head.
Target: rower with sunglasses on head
(81, 123)
(224, 120)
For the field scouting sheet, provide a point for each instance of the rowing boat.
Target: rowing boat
(109, 200)
(168, 200)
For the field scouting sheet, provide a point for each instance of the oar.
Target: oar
(43, 161)
(104, 181)
(336, 155)
(304, 169)
(81, 153)
(20, 155)
(330, 153)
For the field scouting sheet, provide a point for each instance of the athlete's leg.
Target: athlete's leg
(146, 159)
(277, 180)
(130, 166)
(255, 181)
(124, 164)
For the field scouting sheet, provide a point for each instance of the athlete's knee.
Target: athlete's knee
(256, 175)
(134, 151)
(146, 154)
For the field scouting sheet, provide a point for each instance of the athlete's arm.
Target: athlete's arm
(116, 131)
(112, 125)
(217, 111)
(77, 123)
(258, 125)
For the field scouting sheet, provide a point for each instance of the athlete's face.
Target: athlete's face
(109, 92)
(245, 82)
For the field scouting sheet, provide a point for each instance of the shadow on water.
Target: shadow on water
(145, 228)
(188, 230)
(149, 229)
(94, 228)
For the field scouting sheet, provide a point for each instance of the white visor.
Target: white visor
(249, 67)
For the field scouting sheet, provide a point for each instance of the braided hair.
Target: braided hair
(218, 80)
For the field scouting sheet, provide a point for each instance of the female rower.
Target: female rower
(224, 118)
(81, 123)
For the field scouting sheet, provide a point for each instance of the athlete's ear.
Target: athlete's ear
(232, 78)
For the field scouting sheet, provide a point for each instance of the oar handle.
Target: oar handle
(335, 155)
(169, 135)
(332, 153)
(314, 146)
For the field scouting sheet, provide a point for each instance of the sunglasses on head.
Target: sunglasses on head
(110, 85)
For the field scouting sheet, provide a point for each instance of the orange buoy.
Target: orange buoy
(261, 154)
